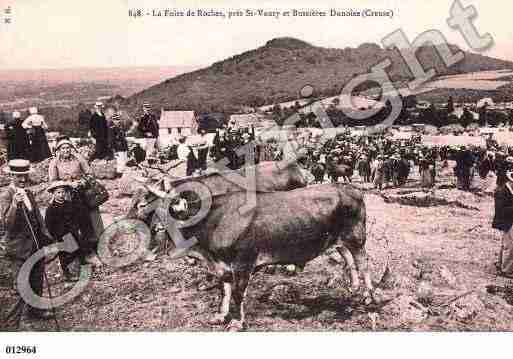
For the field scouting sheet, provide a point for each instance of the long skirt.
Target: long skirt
(427, 178)
(40, 150)
(378, 178)
(18, 144)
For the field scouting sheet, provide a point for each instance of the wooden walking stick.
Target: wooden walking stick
(57, 327)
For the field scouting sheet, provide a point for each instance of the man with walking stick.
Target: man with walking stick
(25, 234)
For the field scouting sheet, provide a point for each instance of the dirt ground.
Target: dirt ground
(433, 253)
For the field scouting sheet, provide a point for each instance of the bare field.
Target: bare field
(439, 248)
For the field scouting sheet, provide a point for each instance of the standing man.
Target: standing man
(148, 128)
(463, 169)
(503, 221)
(99, 130)
(25, 231)
(118, 143)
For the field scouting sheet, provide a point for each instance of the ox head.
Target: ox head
(150, 195)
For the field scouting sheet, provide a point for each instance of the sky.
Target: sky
(100, 33)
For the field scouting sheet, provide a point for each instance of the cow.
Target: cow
(291, 227)
(336, 170)
(318, 170)
(269, 177)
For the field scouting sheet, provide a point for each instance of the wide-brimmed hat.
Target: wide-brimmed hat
(18, 167)
(98, 104)
(57, 184)
(63, 142)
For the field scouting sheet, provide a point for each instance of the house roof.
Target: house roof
(175, 119)
(246, 120)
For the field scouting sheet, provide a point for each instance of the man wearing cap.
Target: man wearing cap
(118, 143)
(99, 130)
(148, 128)
(25, 231)
(65, 218)
(503, 221)
(463, 170)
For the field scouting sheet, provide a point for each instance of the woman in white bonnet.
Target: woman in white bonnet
(36, 126)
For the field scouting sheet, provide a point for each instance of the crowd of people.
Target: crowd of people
(379, 160)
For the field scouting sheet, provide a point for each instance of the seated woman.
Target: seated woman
(69, 165)
(63, 218)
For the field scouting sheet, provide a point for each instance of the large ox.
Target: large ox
(284, 228)
(268, 177)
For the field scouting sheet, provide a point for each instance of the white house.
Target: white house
(175, 123)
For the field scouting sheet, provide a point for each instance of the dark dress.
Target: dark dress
(40, 150)
(18, 141)
(100, 131)
(503, 218)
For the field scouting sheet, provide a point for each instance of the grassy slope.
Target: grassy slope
(277, 71)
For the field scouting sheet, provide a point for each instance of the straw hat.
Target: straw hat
(57, 184)
(18, 167)
(63, 142)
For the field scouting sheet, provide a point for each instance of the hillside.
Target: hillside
(278, 70)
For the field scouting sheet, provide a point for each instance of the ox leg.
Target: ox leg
(225, 275)
(240, 283)
(362, 264)
(348, 257)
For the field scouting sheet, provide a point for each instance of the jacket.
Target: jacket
(148, 124)
(63, 218)
(98, 127)
(18, 238)
(118, 139)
